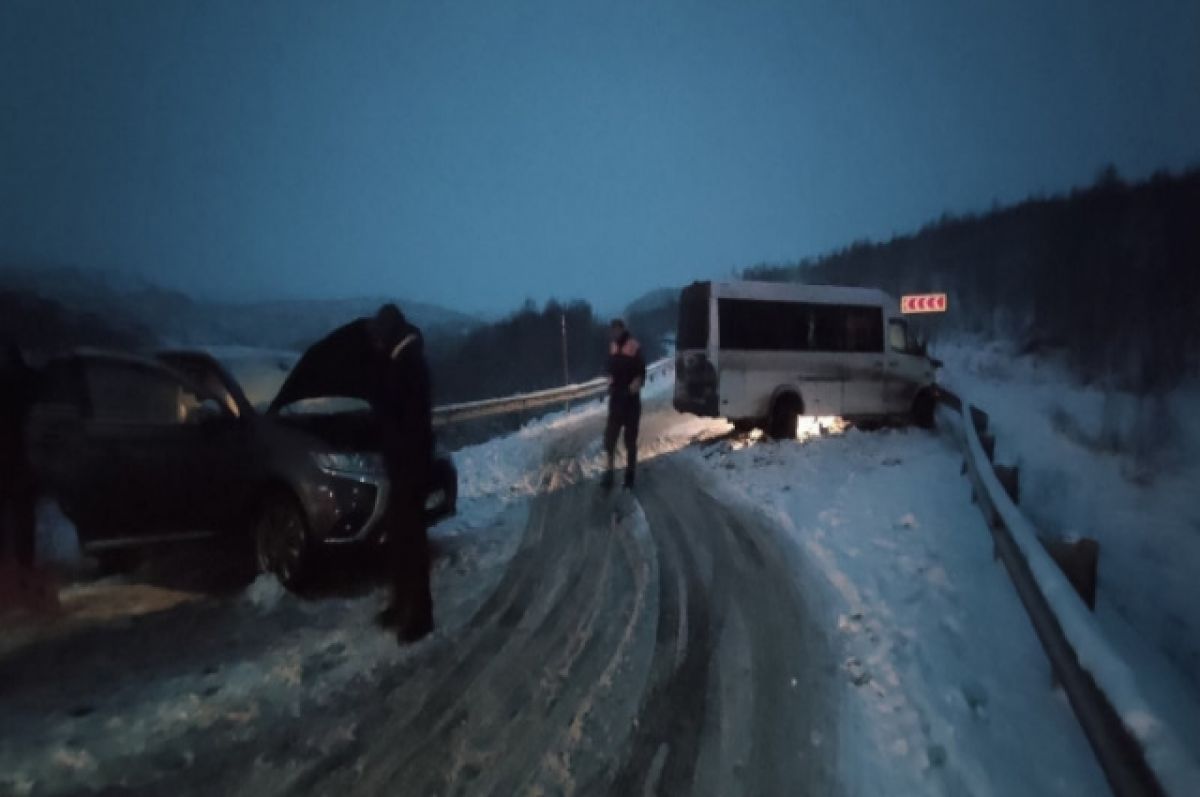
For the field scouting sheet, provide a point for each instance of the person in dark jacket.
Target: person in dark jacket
(626, 375)
(401, 400)
(18, 384)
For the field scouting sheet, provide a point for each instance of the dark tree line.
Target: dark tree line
(1109, 274)
(520, 353)
(653, 324)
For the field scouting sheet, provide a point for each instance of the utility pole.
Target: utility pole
(566, 373)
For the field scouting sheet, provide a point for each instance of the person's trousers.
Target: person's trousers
(408, 554)
(627, 416)
(18, 525)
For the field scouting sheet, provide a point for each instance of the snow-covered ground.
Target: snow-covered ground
(517, 466)
(273, 651)
(946, 687)
(1122, 470)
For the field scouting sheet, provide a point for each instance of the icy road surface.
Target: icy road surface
(660, 647)
(758, 619)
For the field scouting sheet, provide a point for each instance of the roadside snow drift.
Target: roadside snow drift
(946, 687)
(1123, 470)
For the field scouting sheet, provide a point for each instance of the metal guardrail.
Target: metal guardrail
(1098, 692)
(471, 410)
(1091, 691)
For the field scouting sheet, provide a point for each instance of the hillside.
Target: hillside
(148, 314)
(296, 323)
(42, 325)
(1107, 274)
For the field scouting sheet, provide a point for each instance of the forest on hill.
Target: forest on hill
(1109, 275)
(525, 352)
(44, 312)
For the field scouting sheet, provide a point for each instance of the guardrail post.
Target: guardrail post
(988, 441)
(1010, 479)
(1080, 563)
(980, 419)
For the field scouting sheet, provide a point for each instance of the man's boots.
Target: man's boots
(606, 481)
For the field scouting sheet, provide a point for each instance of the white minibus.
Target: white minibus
(761, 354)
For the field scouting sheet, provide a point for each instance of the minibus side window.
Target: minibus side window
(753, 325)
(758, 325)
(829, 327)
(864, 329)
(898, 335)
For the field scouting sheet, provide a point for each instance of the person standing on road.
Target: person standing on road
(626, 375)
(401, 400)
(18, 382)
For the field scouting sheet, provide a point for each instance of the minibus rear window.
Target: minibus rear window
(693, 317)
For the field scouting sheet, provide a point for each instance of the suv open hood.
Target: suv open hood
(337, 366)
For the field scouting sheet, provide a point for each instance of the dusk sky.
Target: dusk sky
(475, 154)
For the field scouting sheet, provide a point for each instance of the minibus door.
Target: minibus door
(862, 384)
(863, 361)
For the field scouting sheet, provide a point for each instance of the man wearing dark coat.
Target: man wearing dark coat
(626, 375)
(400, 397)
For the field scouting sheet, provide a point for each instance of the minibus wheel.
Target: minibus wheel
(923, 409)
(785, 415)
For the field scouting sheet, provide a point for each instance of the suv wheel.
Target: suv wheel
(281, 543)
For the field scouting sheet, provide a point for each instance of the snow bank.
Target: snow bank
(1167, 757)
(1084, 473)
(946, 689)
(524, 463)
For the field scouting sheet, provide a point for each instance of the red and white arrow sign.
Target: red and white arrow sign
(923, 303)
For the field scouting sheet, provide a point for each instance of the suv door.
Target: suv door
(55, 438)
(223, 466)
(147, 436)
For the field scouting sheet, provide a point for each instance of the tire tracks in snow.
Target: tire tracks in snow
(654, 644)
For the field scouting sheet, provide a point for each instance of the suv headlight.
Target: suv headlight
(350, 463)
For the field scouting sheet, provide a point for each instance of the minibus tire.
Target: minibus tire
(785, 414)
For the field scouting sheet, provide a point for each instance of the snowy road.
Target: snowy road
(650, 646)
(623, 653)
(820, 617)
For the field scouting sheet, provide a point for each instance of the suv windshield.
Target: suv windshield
(259, 372)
